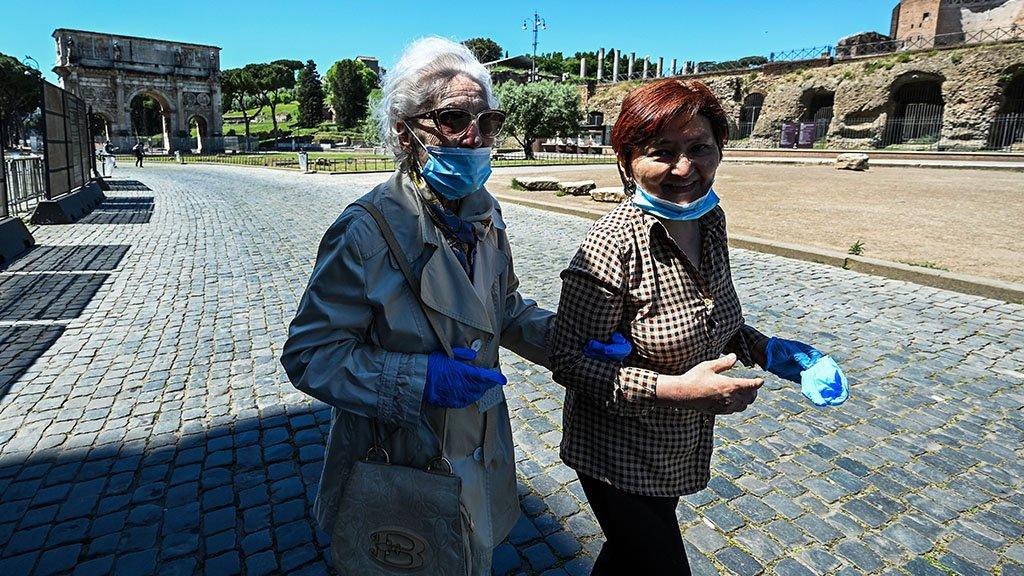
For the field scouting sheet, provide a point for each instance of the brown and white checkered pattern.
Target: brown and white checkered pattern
(629, 275)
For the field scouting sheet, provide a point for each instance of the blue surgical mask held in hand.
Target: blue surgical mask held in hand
(455, 173)
(670, 210)
(821, 380)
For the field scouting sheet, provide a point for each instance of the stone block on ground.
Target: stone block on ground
(535, 183)
(608, 194)
(857, 162)
(577, 187)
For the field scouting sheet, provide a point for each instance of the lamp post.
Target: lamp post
(538, 24)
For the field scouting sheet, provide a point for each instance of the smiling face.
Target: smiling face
(460, 92)
(678, 164)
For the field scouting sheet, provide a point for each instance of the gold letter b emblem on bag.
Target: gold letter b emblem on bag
(397, 549)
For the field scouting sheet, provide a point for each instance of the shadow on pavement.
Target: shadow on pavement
(127, 185)
(79, 258)
(47, 296)
(184, 500)
(20, 346)
(122, 210)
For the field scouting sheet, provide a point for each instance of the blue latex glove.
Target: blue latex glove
(617, 349)
(451, 383)
(821, 380)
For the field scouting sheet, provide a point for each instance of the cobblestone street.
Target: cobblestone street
(147, 427)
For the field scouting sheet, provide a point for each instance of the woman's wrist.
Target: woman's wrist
(672, 389)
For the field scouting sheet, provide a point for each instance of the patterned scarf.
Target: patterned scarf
(460, 235)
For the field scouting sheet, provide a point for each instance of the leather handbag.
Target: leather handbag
(395, 519)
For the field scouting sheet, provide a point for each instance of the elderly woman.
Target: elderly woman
(656, 268)
(366, 343)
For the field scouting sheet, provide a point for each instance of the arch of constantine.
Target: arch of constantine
(110, 71)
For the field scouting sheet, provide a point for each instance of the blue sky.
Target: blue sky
(256, 30)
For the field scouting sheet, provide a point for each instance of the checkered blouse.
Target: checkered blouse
(630, 276)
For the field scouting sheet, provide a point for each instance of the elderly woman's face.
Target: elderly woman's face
(461, 92)
(678, 164)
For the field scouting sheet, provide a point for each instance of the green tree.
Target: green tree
(485, 49)
(348, 88)
(552, 63)
(19, 96)
(238, 89)
(540, 110)
(310, 94)
(271, 80)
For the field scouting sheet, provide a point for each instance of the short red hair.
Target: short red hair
(649, 108)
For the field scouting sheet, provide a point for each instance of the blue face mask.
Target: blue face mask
(455, 173)
(672, 211)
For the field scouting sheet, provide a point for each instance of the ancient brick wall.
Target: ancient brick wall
(972, 80)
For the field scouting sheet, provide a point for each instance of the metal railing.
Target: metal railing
(25, 180)
(948, 40)
(1006, 132)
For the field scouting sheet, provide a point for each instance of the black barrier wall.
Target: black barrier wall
(68, 143)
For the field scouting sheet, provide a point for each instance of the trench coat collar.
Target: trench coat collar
(401, 201)
(444, 285)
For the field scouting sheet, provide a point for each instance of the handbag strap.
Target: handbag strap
(414, 284)
(403, 264)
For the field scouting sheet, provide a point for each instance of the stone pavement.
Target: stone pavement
(146, 426)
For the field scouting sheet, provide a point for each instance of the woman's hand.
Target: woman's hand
(454, 382)
(703, 388)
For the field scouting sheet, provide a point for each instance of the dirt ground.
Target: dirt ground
(968, 221)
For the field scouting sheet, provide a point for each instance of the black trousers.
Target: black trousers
(138, 161)
(641, 532)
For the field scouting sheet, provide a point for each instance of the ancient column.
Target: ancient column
(583, 68)
(632, 61)
(661, 67)
(615, 67)
(646, 63)
(673, 67)
(600, 64)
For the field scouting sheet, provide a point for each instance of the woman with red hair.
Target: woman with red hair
(639, 433)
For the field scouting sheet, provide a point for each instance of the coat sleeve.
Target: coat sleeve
(591, 307)
(329, 354)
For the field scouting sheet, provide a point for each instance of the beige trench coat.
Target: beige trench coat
(359, 342)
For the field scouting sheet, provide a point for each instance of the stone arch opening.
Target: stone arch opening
(100, 125)
(150, 115)
(1006, 131)
(916, 108)
(198, 133)
(749, 113)
(818, 106)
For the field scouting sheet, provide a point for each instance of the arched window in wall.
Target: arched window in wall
(749, 113)
(917, 109)
(1007, 128)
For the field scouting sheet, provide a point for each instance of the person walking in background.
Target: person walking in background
(139, 152)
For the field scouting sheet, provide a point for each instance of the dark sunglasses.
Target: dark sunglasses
(454, 122)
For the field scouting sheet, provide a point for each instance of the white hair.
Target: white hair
(413, 85)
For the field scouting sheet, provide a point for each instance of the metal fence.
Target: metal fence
(1006, 132)
(948, 40)
(5, 210)
(24, 184)
(22, 180)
